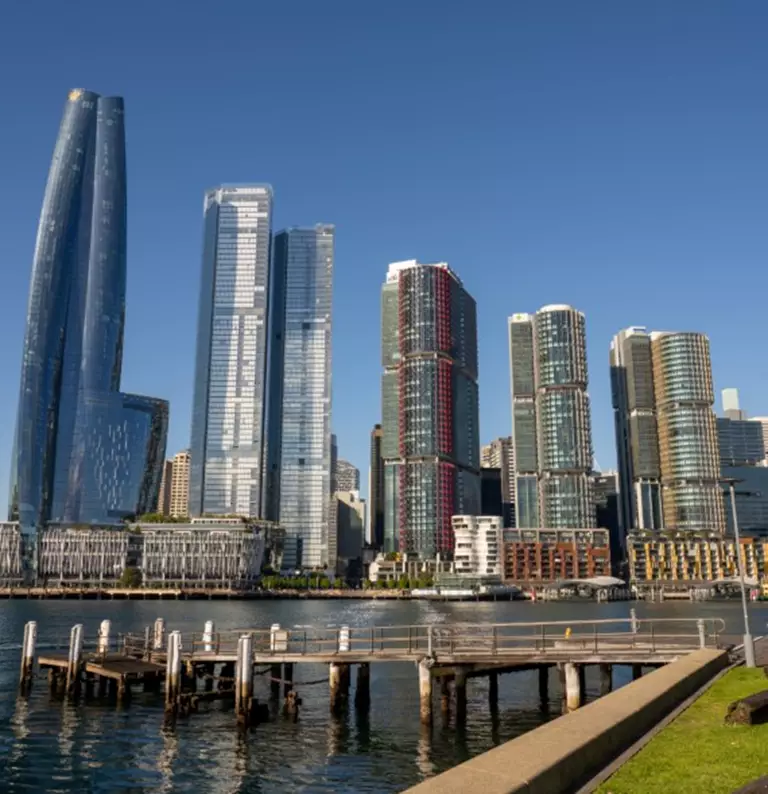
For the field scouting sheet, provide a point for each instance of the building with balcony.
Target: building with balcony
(478, 549)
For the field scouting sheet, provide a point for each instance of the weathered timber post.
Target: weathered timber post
(102, 687)
(28, 656)
(208, 671)
(273, 637)
(208, 633)
(493, 691)
(275, 679)
(633, 620)
(460, 693)
(244, 677)
(335, 685)
(606, 679)
(572, 686)
(363, 686)
(75, 660)
(445, 694)
(582, 670)
(343, 640)
(544, 686)
(102, 646)
(637, 671)
(123, 692)
(702, 633)
(287, 678)
(425, 691)
(159, 635)
(173, 671)
(147, 644)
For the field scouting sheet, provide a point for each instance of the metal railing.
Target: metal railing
(555, 638)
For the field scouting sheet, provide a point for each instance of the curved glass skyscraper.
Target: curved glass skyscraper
(84, 452)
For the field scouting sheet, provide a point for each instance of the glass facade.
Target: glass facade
(71, 412)
(227, 436)
(688, 442)
(303, 264)
(429, 407)
(740, 442)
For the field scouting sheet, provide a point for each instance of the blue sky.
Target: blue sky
(610, 155)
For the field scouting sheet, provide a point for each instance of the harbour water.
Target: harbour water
(50, 746)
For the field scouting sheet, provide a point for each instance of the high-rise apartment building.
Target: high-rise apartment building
(164, 497)
(688, 447)
(551, 419)
(179, 501)
(500, 454)
(229, 396)
(346, 476)
(299, 441)
(637, 433)
(375, 513)
(84, 451)
(430, 440)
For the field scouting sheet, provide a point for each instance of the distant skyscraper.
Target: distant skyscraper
(429, 407)
(500, 454)
(347, 476)
(688, 445)
(375, 513)
(637, 433)
(164, 498)
(300, 365)
(551, 419)
(84, 451)
(731, 408)
(179, 502)
(229, 396)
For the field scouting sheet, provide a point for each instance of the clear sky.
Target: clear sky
(610, 155)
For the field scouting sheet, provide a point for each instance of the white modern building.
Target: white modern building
(478, 549)
(229, 395)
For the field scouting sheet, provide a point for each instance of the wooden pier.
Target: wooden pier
(196, 667)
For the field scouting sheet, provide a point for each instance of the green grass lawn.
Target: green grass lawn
(697, 752)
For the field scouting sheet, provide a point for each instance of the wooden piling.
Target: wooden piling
(582, 671)
(208, 636)
(363, 686)
(276, 677)
(158, 635)
(102, 646)
(445, 694)
(425, 691)
(460, 694)
(244, 677)
(287, 678)
(335, 685)
(606, 679)
(75, 660)
(172, 670)
(493, 691)
(28, 656)
(544, 686)
(637, 671)
(572, 686)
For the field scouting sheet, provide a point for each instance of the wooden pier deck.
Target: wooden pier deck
(448, 654)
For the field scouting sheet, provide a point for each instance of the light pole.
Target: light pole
(749, 648)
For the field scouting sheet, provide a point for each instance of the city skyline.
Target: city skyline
(625, 191)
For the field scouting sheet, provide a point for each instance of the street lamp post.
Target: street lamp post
(749, 648)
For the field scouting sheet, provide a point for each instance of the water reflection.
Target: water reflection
(168, 754)
(424, 752)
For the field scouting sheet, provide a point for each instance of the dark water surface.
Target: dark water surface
(50, 746)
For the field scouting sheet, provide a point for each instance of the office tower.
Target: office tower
(229, 394)
(164, 497)
(429, 407)
(350, 529)
(491, 501)
(740, 441)
(299, 443)
(551, 421)
(762, 421)
(346, 477)
(637, 434)
(179, 502)
(84, 451)
(500, 454)
(375, 526)
(605, 492)
(688, 449)
(731, 408)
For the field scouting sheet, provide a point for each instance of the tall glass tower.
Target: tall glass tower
(227, 436)
(84, 452)
(299, 414)
(549, 393)
(430, 442)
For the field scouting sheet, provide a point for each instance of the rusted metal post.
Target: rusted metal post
(425, 691)
(159, 635)
(363, 686)
(572, 686)
(102, 645)
(28, 656)
(244, 677)
(173, 671)
(606, 679)
(75, 660)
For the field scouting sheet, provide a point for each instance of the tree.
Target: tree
(131, 577)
